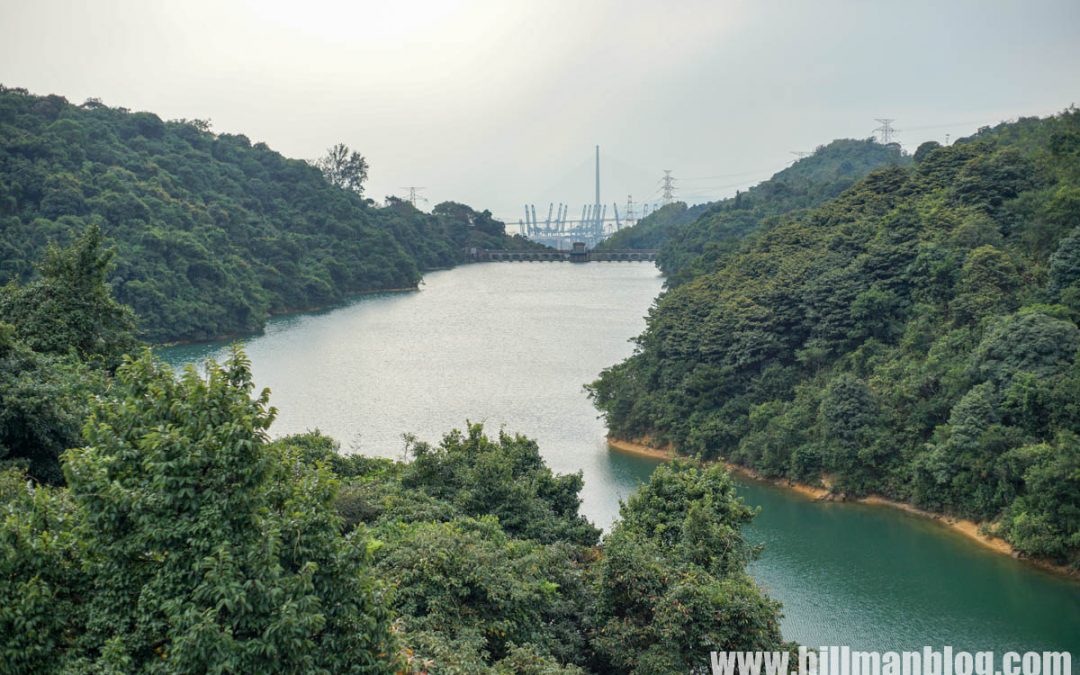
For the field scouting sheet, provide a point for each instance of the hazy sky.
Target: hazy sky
(500, 102)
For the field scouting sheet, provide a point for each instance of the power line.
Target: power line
(725, 175)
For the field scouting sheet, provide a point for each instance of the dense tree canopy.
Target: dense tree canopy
(487, 555)
(186, 541)
(68, 308)
(212, 232)
(61, 336)
(916, 337)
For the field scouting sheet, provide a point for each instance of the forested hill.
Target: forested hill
(653, 230)
(915, 337)
(690, 239)
(212, 232)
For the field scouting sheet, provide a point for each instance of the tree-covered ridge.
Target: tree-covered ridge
(653, 230)
(212, 232)
(915, 337)
(691, 240)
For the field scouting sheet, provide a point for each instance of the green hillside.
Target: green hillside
(914, 337)
(654, 229)
(691, 239)
(212, 232)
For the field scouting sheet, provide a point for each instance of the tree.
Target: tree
(344, 168)
(70, 308)
(1045, 519)
(925, 149)
(1029, 341)
(464, 588)
(207, 549)
(505, 477)
(44, 400)
(987, 285)
(694, 514)
(1065, 265)
(990, 179)
(672, 583)
(41, 610)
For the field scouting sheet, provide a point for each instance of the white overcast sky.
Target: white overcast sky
(499, 102)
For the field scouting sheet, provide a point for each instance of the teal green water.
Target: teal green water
(512, 344)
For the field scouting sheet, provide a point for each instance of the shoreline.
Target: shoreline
(344, 301)
(968, 529)
(287, 312)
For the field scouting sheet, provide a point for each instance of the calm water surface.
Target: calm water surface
(512, 344)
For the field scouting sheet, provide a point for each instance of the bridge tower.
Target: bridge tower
(597, 202)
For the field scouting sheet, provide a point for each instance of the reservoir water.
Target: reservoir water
(512, 344)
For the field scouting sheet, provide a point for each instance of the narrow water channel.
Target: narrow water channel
(512, 344)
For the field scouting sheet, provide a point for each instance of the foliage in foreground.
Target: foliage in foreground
(186, 541)
(915, 337)
(60, 338)
(667, 585)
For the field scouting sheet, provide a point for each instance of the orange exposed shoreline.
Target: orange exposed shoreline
(967, 528)
(641, 449)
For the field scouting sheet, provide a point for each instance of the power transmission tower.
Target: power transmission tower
(630, 209)
(800, 153)
(668, 186)
(414, 194)
(886, 129)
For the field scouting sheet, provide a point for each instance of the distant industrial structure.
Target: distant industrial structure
(578, 253)
(594, 225)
